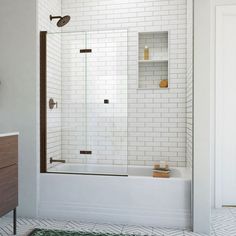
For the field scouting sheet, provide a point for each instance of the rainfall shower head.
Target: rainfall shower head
(62, 20)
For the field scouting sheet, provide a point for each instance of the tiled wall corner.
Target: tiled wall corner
(45, 9)
(189, 146)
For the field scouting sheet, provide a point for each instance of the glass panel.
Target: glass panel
(54, 93)
(107, 101)
(88, 127)
(66, 123)
(74, 118)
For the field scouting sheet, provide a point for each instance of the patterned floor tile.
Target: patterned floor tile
(226, 230)
(137, 230)
(24, 230)
(223, 224)
(167, 232)
(42, 223)
(80, 226)
(188, 233)
(21, 232)
(108, 228)
(233, 212)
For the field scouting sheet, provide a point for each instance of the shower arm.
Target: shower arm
(55, 17)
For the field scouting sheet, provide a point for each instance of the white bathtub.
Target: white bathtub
(137, 199)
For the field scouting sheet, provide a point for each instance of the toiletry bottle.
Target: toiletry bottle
(146, 53)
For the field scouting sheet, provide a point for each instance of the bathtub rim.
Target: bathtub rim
(184, 176)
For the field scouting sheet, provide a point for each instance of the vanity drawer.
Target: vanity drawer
(8, 189)
(8, 151)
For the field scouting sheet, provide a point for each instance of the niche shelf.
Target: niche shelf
(152, 71)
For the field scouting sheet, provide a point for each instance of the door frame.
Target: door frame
(221, 10)
(43, 101)
(202, 116)
(218, 91)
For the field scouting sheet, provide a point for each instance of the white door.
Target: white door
(226, 103)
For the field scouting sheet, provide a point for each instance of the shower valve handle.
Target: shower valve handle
(52, 104)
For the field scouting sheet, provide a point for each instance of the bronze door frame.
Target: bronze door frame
(43, 101)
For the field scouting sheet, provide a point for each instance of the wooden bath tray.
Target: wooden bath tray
(156, 174)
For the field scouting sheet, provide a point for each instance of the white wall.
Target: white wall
(202, 106)
(213, 25)
(204, 151)
(18, 69)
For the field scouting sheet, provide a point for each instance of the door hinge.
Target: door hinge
(85, 50)
(86, 152)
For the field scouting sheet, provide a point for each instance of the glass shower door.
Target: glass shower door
(66, 87)
(106, 83)
(74, 103)
(87, 80)
(53, 99)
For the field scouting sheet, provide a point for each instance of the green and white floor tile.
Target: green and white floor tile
(223, 224)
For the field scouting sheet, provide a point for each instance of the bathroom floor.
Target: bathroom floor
(223, 224)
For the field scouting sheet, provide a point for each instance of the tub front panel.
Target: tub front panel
(120, 200)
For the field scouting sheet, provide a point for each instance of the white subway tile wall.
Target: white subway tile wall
(157, 44)
(45, 9)
(88, 81)
(156, 118)
(107, 80)
(74, 105)
(150, 74)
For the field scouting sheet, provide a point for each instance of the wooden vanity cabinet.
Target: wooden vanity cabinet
(9, 175)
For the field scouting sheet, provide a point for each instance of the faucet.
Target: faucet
(60, 161)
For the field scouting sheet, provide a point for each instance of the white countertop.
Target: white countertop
(9, 134)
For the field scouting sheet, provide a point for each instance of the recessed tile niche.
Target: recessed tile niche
(156, 68)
